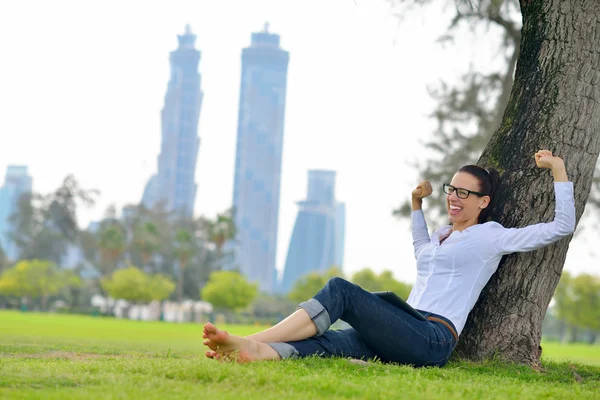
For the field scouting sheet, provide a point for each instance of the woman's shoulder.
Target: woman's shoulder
(492, 225)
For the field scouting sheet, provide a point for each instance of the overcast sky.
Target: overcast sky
(82, 84)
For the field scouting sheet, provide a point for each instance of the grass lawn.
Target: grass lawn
(582, 353)
(71, 357)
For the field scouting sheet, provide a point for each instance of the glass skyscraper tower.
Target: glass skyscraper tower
(258, 157)
(174, 184)
(16, 183)
(317, 241)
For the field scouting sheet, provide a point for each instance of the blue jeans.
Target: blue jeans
(379, 329)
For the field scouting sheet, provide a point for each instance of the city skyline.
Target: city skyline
(357, 103)
(258, 157)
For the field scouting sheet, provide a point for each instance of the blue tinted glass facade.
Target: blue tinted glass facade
(174, 184)
(16, 183)
(317, 241)
(340, 233)
(258, 157)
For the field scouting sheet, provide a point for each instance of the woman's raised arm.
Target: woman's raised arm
(539, 235)
(419, 226)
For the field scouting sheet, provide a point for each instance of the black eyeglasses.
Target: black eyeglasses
(461, 193)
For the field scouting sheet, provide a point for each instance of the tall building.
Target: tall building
(317, 241)
(17, 182)
(340, 233)
(258, 157)
(174, 185)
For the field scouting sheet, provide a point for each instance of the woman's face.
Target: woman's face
(465, 211)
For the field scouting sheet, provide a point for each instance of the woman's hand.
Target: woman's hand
(545, 159)
(421, 191)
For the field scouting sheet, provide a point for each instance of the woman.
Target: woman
(453, 266)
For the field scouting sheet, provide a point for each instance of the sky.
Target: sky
(82, 85)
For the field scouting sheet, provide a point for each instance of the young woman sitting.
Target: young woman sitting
(453, 266)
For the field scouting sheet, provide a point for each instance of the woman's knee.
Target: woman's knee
(338, 282)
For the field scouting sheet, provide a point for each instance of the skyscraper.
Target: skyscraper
(317, 241)
(174, 184)
(258, 157)
(16, 183)
(340, 234)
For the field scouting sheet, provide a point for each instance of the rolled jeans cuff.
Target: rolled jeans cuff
(284, 350)
(318, 314)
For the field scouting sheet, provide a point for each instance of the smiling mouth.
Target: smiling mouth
(455, 209)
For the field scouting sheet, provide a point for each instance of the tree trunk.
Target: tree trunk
(574, 336)
(562, 332)
(555, 104)
(180, 288)
(182, 265)
(592, 336)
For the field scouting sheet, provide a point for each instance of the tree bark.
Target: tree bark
(555, 105)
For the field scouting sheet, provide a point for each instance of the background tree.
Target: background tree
(4, 262)
(563, 303)
(112, 244)
(146, 239)
(369, 280)
(44, 225)
(308, 285)
(467, 113)
(88, 243)
(34, 279)
(32, 234)
(219, 231)
(184, 249)
(157, 239)
(127, 284)
(229, 290)
(402, 289)
(78, 297)
(136, 286)
(586, 304)
(159, 287)
(272, 307)
(63, 205)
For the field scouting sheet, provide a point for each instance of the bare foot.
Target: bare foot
(234, 348)
(211, 354)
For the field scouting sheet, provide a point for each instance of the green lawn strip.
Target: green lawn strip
(579, 352)
(61, 356)
(155, 378)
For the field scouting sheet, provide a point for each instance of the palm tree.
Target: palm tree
(112, 245)
(219, 231)
(3, 260)
(146, 239)
(183, 250)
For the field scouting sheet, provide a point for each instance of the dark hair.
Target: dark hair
(489, 180)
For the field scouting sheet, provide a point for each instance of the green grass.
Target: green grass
(583, 353)
(59, 357)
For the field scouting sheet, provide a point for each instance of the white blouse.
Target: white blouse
(451, 276)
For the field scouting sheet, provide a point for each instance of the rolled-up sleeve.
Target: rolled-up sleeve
(539, 235)
(419, 231)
